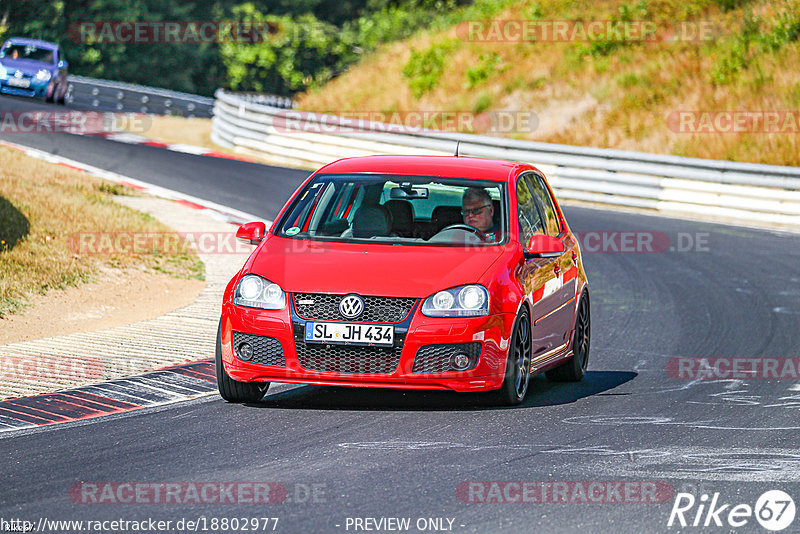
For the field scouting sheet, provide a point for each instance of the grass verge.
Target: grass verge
(42, 206)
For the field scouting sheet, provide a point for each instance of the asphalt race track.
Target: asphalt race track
(207, 177)
(343, 454)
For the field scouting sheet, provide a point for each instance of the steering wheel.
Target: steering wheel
(466, 228)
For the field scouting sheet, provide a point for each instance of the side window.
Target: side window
(546, 202)
(298, 221)
(530, 222)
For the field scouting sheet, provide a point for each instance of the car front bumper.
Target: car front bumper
(291, 359)
(35, 89)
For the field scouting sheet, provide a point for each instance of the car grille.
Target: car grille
(376, 309)
(437, 358)
(266, 350)
(348, 359)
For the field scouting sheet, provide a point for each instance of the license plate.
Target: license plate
(361, 334)
(18, 82)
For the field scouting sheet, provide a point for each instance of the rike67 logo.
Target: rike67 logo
(774, 510)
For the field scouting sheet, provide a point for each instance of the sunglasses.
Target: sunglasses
(474, 211)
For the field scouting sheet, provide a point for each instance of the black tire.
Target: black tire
(518, 364)
(573, 369)
(232, 390)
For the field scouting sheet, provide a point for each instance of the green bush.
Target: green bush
(483, 103)
(737, 55)
(603, 46)
(487, 65)
(786, 31)
(305, 51)
(424, 68)
(629, 79)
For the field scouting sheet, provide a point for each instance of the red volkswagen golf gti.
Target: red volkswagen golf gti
(414, 272)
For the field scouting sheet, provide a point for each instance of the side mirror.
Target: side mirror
(253, 232)
(63, 64)
(543, 246)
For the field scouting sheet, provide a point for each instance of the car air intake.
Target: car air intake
(442, 358)
(262, 349)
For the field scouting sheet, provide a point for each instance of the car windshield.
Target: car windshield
(20, 51)
(413, 210)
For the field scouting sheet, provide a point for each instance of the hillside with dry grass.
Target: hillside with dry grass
(730, 91)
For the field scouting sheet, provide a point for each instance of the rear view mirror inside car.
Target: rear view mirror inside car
(410, 192)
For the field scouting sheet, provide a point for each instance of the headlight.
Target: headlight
(256, 292)
(43, 75)
(462, 301)
(3, 72)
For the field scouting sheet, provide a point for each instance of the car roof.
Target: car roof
(33, 42)
(444, 166)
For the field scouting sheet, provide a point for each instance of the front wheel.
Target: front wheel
(573, 369)
(50, 92)
(62, 99)
(232, 390)
(518, 365)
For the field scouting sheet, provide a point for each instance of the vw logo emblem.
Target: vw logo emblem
(351, 306)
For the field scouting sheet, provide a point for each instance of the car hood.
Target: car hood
(28, 66)
(371, 269)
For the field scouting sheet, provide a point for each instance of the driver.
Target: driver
(478, 211)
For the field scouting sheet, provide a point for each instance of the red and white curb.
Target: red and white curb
(133, 139)
(217, 211)
(156, 388)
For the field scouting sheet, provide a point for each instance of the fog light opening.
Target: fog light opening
(461, 362)
(245, 351)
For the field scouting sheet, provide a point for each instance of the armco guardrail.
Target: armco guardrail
(745, 191)
(106, 95)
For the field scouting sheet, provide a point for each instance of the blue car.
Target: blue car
(29, 67)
